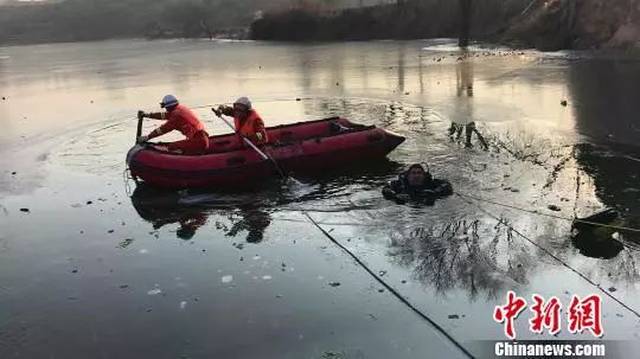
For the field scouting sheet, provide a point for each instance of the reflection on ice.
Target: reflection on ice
(459, 255)
(192, 210)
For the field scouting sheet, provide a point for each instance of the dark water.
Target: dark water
(100, 268)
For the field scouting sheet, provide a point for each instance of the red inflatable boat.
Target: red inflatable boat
(300, 147)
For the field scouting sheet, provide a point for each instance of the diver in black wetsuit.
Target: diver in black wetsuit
(416, 184)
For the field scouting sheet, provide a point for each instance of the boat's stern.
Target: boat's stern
(132, 154)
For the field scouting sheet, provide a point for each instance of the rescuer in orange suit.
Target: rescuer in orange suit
(180, 118)
(246, 120)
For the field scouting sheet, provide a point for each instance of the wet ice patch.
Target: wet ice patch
(143, 251)
(267, 277)
(183, 304)
(227, 279)
(297, 189)
(154, 291)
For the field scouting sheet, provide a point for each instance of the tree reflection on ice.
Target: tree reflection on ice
(454, 255)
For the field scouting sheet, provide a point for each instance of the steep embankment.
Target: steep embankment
(543, 24)
(410, 19)
(577, 24)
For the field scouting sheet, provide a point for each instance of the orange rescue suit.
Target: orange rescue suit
(184, 120)
(250, 126)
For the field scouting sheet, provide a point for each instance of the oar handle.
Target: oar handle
(139, 129)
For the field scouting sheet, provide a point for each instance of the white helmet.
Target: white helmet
(168, 101)
(244, 101)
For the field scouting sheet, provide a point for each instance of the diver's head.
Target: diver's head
(417, 175)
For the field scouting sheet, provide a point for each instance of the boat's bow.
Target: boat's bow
(392, 139)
